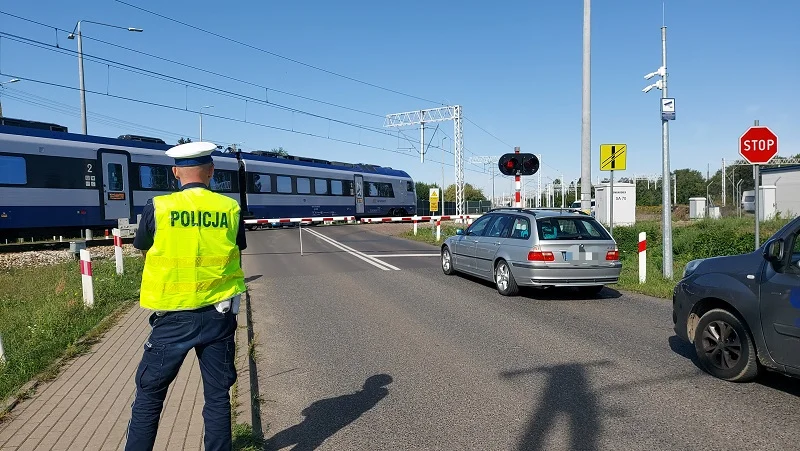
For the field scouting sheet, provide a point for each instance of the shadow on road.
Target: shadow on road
(767, 379)
(252, 278)
(551, 294)
(326, 417)
(567, 393)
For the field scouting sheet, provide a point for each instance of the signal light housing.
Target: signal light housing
(518, 164)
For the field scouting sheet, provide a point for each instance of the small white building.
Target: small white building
(786, 180)
(624, 203)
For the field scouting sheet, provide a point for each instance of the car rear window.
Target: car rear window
(570, 229)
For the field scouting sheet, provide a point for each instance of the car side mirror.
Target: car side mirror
(459, 231)
(773, 251)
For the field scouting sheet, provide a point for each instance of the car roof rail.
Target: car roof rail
(534, 210)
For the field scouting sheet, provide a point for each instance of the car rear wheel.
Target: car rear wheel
(725, 348)
(447, 261)
(506, 285)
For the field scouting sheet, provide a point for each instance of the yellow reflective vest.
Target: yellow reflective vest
(194, 261)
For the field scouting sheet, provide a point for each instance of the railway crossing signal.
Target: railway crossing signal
(518, 164)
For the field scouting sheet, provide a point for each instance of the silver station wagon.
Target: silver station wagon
(515, 247)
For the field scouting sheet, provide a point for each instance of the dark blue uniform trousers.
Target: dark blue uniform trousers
(173, 335)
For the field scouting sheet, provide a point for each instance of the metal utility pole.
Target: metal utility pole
(586, 116)
(77, 32)
(517, 186)
(441, 114)
(667, 217)
(667, 114)
(201, 119)
(539, 183)
(758, 200)
(723, 182)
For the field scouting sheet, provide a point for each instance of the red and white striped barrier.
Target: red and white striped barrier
(86, 278)
(418, 218)
(642, 257)
(300, 220)
(118, 251)
(329, 219)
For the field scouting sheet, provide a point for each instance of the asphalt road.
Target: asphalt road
(353, 356)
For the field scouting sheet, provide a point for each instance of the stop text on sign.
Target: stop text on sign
(758, 144)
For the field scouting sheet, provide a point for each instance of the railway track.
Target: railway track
(12, 248)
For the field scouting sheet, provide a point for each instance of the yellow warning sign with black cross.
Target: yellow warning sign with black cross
(612, 157)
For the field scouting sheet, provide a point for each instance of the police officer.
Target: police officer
(192, 280)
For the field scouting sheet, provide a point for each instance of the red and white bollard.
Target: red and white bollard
(86, 278)
(642, 257)
(438, 230)
(2, 352)
(415, 228)
(118, 250)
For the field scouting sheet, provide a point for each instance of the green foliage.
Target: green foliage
(280, 151)
(42, 313)
(423, 190)
(184, 140)
(470, 193)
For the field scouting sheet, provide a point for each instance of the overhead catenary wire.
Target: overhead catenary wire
(252, 83)
(254, 47)
(200, 69)
(185, 82)
(174, 108)
(122, 124)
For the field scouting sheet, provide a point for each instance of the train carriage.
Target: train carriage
(55, 181)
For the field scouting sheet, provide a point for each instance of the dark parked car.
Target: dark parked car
(742, 312)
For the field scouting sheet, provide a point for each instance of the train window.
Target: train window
(377, 189)
(222, 181)
(12, 171)
(154, 177)
(336, 187)
(409, 187)
(320, 186)
(347, 187)
(303, 185)
(284, 184)
(115, 182)
(262, 183)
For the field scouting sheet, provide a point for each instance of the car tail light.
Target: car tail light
(541, 256)
(612, 255)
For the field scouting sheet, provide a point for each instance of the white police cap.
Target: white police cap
(192, 154)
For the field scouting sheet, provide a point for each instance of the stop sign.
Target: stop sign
(758, 145)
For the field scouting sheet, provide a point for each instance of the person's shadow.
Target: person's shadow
(326, 417)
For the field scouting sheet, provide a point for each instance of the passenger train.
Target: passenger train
(52, 180)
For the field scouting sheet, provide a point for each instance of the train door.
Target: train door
(116, 190)
(359, 192)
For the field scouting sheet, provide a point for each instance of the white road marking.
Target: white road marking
(371, 260)
(401, 255)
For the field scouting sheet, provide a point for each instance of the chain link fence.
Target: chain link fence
(471, 208)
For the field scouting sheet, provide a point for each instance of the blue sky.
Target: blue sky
(515, 67)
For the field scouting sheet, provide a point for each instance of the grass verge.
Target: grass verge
(42, 316)
(699, 239)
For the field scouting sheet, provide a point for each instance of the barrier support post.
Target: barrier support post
(642, 257)
(415, 228)
(438, 230)
(118, 251)
(86, 278)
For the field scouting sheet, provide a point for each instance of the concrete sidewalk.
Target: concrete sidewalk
(88, 405)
